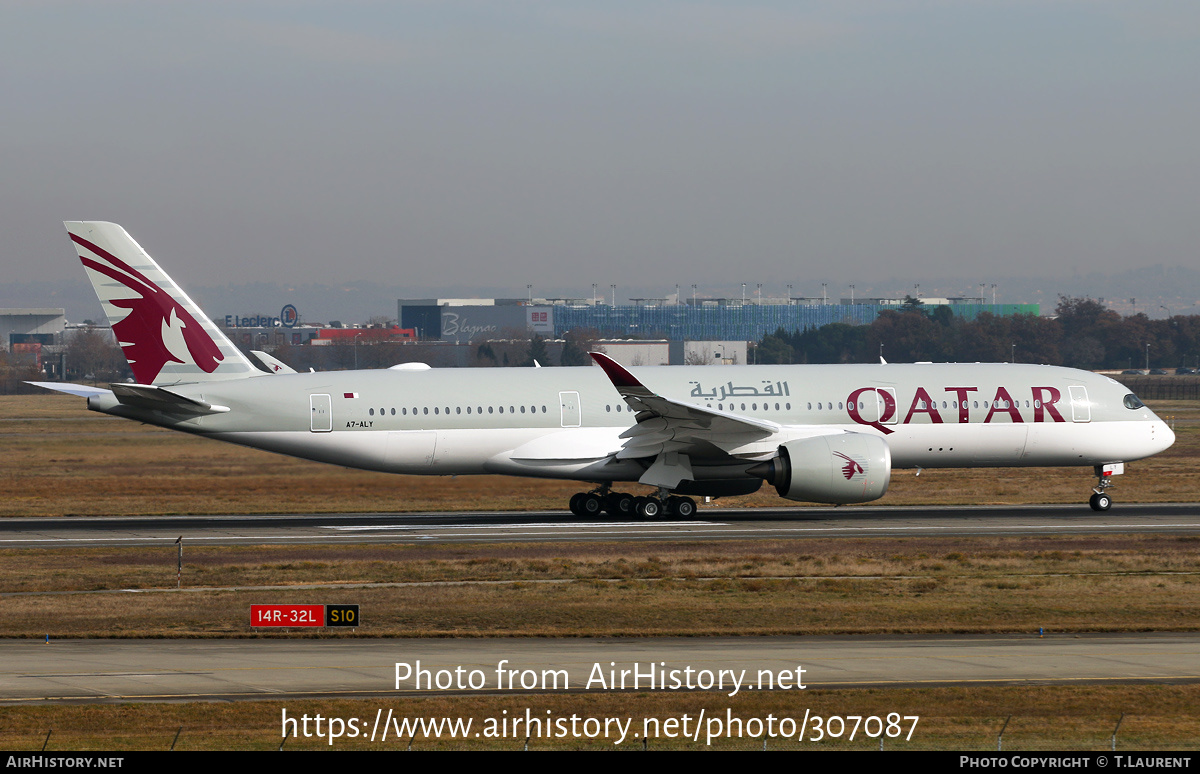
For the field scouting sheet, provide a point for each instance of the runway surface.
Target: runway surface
(709, 524)
(171, 670)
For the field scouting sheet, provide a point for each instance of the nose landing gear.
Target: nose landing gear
(1100, 501)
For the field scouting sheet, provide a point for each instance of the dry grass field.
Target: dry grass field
(56, 458)
(1152, 717)
(790, 587)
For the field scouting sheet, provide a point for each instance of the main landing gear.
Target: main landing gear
(670, 507)
(622, 505)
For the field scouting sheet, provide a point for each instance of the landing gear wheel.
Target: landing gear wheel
(620, 505)
(649, 508)
(683, 507)
(591, 505)
(1100, 502)
(576, 503)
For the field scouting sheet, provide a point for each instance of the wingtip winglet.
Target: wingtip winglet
(621, 378)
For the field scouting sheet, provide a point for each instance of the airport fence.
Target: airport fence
(1163, 387)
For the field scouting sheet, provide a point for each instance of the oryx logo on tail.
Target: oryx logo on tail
(157, 329)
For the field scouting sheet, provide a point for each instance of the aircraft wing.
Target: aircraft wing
(673, 431)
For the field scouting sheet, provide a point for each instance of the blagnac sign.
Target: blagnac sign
(288, 317)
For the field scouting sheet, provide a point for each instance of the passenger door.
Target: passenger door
(322, 413)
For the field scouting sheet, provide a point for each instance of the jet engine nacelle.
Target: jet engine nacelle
(845, 468)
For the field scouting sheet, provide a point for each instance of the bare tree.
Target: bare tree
(91, 355)
(578, 344)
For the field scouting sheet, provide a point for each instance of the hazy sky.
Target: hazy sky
(565, 143)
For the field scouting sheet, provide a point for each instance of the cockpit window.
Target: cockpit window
(1133, 402)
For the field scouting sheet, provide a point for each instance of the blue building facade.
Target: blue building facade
(737, 323)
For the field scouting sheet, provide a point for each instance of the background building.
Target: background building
(720, 319)
(463, 320)
(31, 326)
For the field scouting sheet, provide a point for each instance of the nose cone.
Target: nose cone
(1163, 436)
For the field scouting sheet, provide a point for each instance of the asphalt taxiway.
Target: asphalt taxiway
(98, 671)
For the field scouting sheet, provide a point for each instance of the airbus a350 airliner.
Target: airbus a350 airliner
(818, 433)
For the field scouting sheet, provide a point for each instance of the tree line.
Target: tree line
(1084, 333)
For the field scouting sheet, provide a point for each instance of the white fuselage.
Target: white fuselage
(567, 422)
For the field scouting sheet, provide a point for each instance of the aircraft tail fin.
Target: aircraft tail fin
(273, 364)
(164, 335)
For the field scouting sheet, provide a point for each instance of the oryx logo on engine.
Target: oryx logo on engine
(851, 467)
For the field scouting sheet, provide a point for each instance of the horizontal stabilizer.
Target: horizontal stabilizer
(82, 390)
(147, 396)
